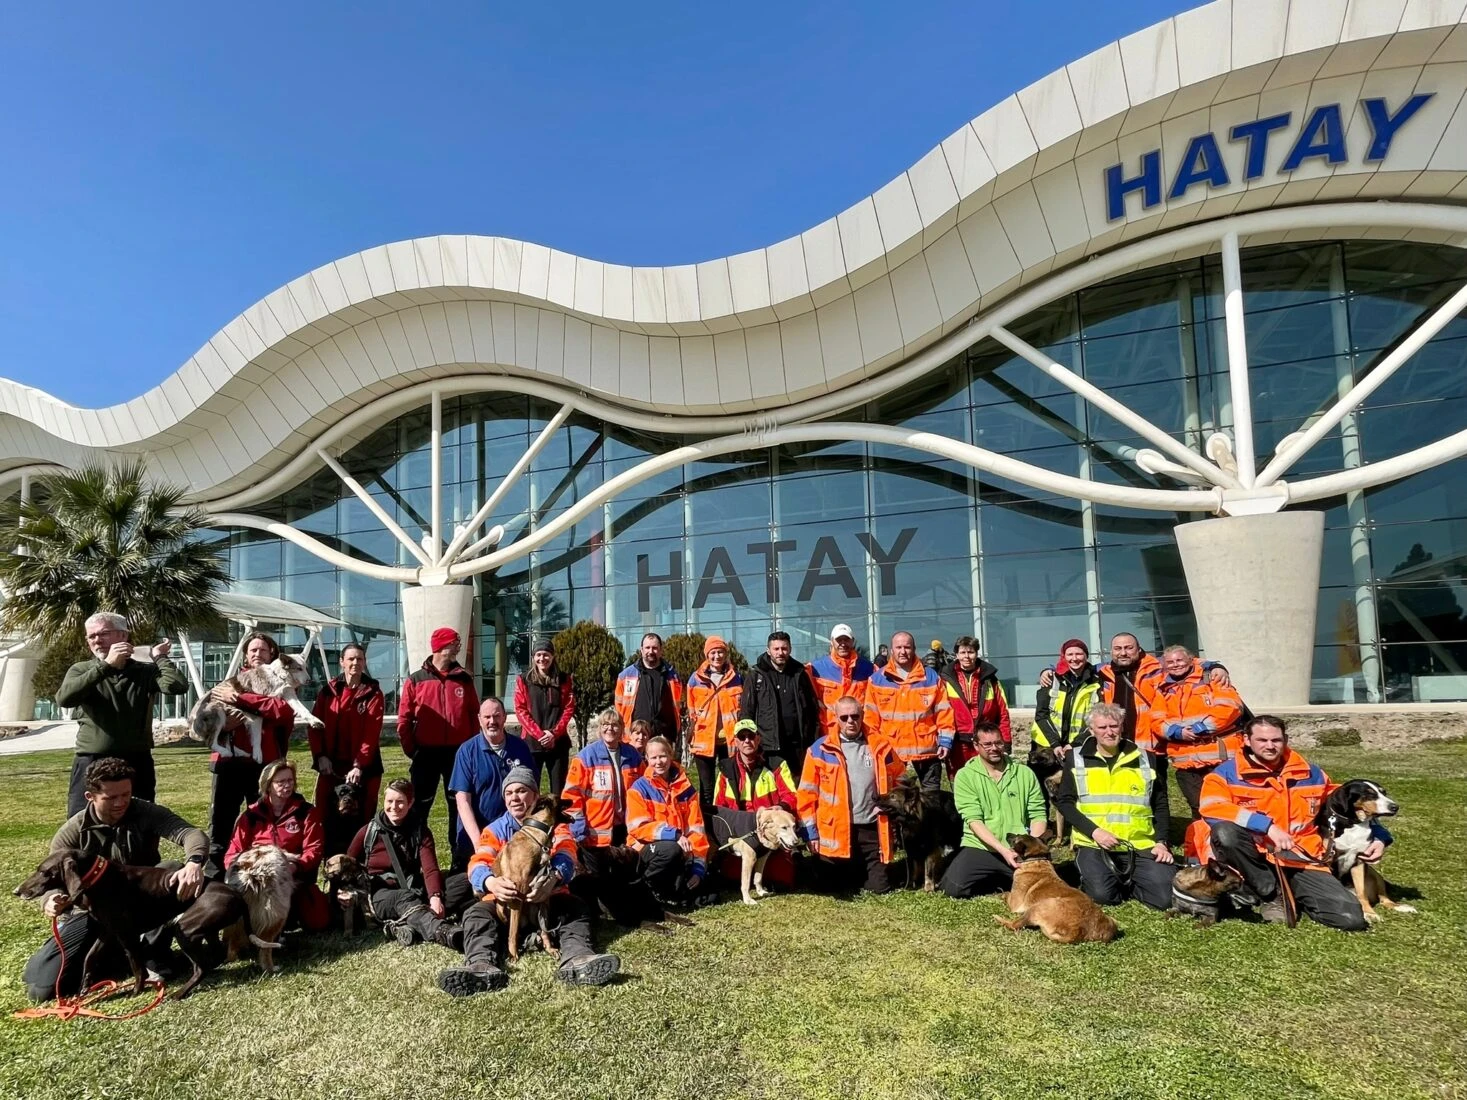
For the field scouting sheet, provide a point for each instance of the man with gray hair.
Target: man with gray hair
(114, 691)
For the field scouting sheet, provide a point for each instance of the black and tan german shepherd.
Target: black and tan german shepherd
(927, 827)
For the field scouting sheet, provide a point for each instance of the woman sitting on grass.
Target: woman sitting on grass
(665, 827)
(283, 818)
(396, 850)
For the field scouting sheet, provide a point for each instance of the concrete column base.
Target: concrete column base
(1254, 583)
(17, 697)
(427, 607)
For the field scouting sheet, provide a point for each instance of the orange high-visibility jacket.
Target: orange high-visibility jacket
(498, 833)
(824, 796)
(911, 710)
(590, 791)
(1144, 678)
(712, 710)
(669, 708)
(1246, 793)
(1194, 703)
(834, 679)
(666, 809)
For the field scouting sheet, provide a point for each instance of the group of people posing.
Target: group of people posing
(639, 841)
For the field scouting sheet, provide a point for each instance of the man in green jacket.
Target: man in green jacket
(995, 798)
(114, 692)
(127, 830)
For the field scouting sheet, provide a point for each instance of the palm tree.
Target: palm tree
(104, 539)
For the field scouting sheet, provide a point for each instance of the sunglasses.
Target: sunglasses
(847, 717)
(746, 736)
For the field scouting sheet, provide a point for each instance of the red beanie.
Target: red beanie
(1072, 643)
(442, 638)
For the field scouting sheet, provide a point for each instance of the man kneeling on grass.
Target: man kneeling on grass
(486, 937)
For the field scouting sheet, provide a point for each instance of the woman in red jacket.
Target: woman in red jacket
(283, 818)
(544, 701)
(237, 777)
(347, 749)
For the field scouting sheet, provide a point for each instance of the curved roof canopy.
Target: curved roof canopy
(1238, 106)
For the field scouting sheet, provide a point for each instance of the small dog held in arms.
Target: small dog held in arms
(216, 724)
(117, 897)
(1345, 822)
(929, 828)
(774, 829)
(1040, 900)
(345, 875)
(525, 861)
(266, 878)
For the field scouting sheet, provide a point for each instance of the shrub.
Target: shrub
(1333, 738)
(593, 656)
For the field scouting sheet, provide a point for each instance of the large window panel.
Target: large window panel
(1157, 623)
(1431, 494)
(904, 484)
(1027, 423)
(1137, 304)
(1430, 609)
(1141, 570)
(1030, 526)
(1034, 578)
(1426, 673)
(835, 495)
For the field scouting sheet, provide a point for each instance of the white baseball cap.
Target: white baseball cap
(842, 630)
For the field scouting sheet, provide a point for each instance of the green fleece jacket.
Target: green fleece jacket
(116, 704)
(1007, 806)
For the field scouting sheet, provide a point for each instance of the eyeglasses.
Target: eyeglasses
(847, 717)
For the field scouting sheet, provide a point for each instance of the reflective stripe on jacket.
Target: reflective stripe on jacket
(771, 785)
(1246, 793)
(498, 833)
(833, 679)
(910, 710)
(590, 792)
(1059, 715)
(669, 707)
(824, 796)
(982, 698)
(1115, 794)
(712, 710)
(1208, 710)
(667, 809)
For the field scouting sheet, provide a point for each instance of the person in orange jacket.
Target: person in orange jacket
(843, 672)
(907, 706)
(666, 829)
(1259, 807)
(650, 688)
(844, 774)
(713, 693)
(1195, 718)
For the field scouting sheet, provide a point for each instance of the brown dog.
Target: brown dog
(345, 875)
(267, 880)
(1042, 901)
(774, 829)
(1198, 891)
(525, 861)
(1048, 768)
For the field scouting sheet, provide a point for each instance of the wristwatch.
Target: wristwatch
(200, 860)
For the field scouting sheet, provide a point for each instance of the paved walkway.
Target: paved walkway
(52, 735)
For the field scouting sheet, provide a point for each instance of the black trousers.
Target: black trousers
(666, 869)
(929, 774)
(486, 940)
(863, 870)
(145, 786)
(708, 779)
(613, 877)
(1189, 782)
(1151, 882)
(975, 871)
(406, 905)
(431, 767)
(555, 760)
(1319, 896)
(458, 895)
(236, 785)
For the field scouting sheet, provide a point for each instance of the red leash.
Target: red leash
(69, 1008)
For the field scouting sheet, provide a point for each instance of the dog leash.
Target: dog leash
(69, 1008)
(1126, 870)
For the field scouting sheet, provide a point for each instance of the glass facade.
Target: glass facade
(887, 539)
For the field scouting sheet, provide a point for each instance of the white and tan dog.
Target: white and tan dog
(774, 829)
(266, 878)
(215, 722)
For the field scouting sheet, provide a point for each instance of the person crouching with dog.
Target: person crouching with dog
(396, 851)
(996, 798)
(282, 817)
(127, 831)
(486, 937)
(750, 781)
(347, 749)
(1115, 799)
(844, 773)
(666, 829)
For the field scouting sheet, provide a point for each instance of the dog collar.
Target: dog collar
(99, 868)
(532, 823)
(1210, 903)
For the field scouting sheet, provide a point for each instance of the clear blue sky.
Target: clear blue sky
(166, 165)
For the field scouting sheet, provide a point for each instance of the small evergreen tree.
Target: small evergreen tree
(593, 656)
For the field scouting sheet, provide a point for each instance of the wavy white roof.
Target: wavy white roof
(1013, 196)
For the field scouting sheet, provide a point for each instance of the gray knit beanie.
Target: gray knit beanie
(519, 774)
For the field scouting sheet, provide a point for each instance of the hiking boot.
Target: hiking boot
(403, 932)
(448, 935)
(588, 969)
(465, 981)
(1272, 912)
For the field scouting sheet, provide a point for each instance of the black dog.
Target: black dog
(341, 825)
(125, 901)
(928, 828)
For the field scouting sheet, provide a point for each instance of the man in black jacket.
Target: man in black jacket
(780, 697)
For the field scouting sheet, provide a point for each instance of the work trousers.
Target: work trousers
(431, 767)
(236, 783)
(975, 871)
(145, 786)
(929, 773)
(339, 830)
(613, 877)
(555, 760)
(666, 869)
(1319, 896)
(486, 938)
(708, 779)
(863, 869)
(1101, 878)
(1189, 782)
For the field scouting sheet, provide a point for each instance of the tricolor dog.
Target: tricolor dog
(1347, 822)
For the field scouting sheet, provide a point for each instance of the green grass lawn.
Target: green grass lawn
(902, 996)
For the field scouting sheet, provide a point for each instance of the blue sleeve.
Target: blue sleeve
(666, 832)
(1381, 833)
(477, 877)
(463, 776)
(564, 866)
(696, 867)
(1259, 823)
